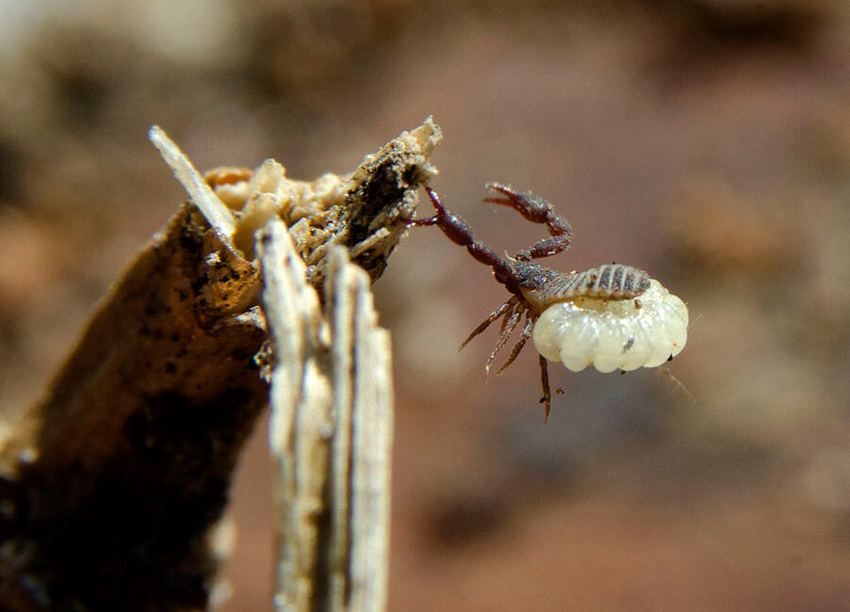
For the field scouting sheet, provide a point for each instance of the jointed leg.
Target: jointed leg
(526, 334)
(510, 326)
(535, 210)
(546, 400)
(459, 232)
(507, 318)
(501, 310)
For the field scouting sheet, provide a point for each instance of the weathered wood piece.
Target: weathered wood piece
(113, 479)
(331, 429)
(110, 485)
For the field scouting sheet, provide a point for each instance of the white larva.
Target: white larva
(613, 334)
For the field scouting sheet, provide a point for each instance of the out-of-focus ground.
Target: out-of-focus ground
(707, 141)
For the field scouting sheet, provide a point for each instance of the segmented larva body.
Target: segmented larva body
(591, 328)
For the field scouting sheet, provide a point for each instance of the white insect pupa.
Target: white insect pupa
(613, 334)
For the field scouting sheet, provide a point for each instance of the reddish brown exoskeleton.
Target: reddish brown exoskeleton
(536, 288)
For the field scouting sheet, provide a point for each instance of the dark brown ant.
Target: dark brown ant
(534, 287)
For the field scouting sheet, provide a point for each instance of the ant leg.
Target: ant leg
(459, 232)
(546, 400)
(526, 334)
(536, 210)
(501, 310)
(513, 319)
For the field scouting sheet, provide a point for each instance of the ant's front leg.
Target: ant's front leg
(536, 210)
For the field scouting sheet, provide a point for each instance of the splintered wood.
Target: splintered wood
(330, 432)
(109, 486)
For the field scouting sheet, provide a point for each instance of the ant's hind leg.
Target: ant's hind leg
(536, 210)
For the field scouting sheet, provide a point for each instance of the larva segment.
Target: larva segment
(613, 334)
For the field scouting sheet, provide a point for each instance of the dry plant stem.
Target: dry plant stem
(331, 431)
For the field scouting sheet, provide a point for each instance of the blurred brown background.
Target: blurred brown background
(707, 141)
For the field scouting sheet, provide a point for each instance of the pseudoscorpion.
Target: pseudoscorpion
(612, 316)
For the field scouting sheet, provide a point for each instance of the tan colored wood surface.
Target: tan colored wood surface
(110, 485)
